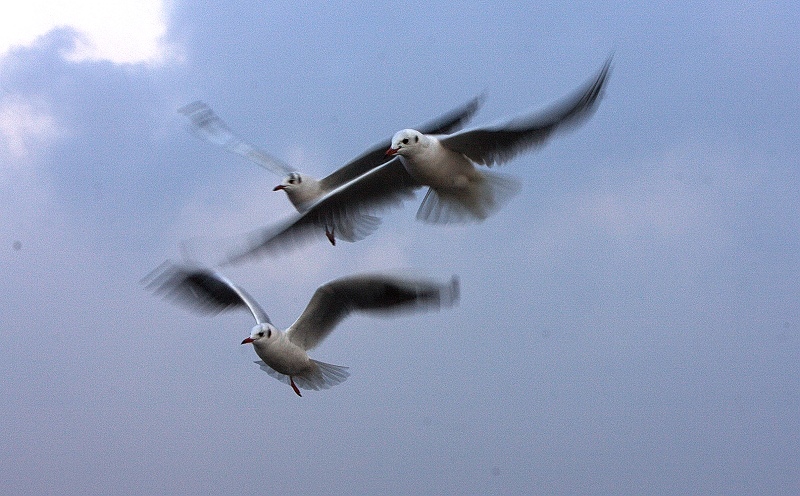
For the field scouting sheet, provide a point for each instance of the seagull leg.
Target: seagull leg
(329, 234)
(294, 386)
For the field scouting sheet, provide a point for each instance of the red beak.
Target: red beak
(247, 340)
(391, 151)
(279, 187)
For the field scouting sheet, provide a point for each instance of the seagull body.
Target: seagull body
(435, 165)
(458, 191)
(303, 189)
(284, 354)
(283, 359)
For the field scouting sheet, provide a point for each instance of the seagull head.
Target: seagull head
(300, 188)
(292, 181)
(262, 334)
(404, 141)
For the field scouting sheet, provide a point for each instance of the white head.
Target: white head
(290, 182)
(300, 188)
(262, 334)
(406, 142)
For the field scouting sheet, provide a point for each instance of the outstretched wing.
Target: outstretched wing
(447, 123)
(209, 127)
(335, 300)
(499, 144)
(204, 290)
(346, 212)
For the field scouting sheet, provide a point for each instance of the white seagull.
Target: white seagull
(460, 192)
(303, 189)
(284, 353)
(446, 163)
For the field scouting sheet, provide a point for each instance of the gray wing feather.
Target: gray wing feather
(209, 127)
(499, 144)
(204, 290)
(337, 299)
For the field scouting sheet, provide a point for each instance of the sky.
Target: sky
(628, 324)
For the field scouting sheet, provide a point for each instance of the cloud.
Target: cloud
(25, 124)
(120, 31)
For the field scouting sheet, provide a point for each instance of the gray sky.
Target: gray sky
(629, 323)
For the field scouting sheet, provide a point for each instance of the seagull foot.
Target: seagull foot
(294, 386)
(330, 236)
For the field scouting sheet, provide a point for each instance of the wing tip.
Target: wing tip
(454, 290)
(194, 107)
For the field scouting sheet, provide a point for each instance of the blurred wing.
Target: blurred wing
(447, 123)
(209, 127)
(496, 145)
(204, 290)
(335, 300)
(451, 121)
(345, 211)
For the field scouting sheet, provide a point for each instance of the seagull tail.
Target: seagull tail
(485, 195)
(355, 226)
(323, 376)
(326, 375)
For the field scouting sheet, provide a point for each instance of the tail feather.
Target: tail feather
(324, 375)
(354, 226)
(480, 199)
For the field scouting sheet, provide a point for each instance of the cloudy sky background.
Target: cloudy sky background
(629, 323)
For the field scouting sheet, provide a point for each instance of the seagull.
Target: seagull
(458, 191)
(303, 189)
(284, 353)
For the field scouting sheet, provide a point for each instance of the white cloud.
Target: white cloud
(120, 31)
(25, 124)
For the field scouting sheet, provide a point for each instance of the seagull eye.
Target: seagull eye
(261, 334)
(405, 141)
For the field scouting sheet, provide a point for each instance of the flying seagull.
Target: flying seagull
(303, 189)
(458, 191)
(284, 353)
